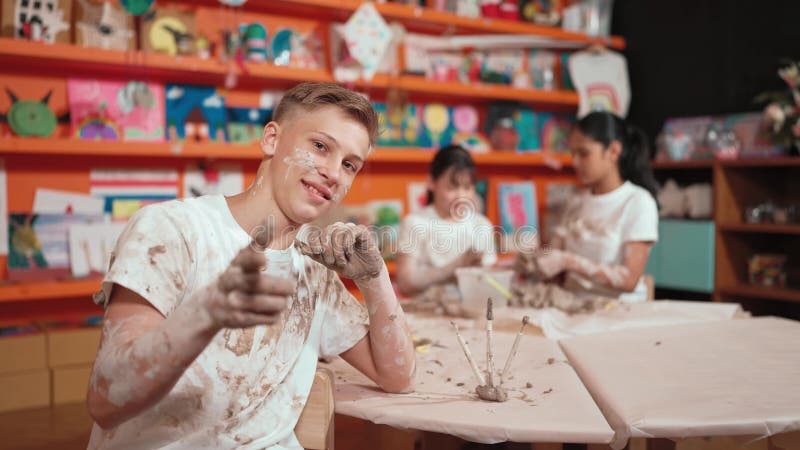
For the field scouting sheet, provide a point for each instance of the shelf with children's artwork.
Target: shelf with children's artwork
(221, 150)
(760, 228)
(78, 147)
(15, 292)
(473, 91)
(431, 20)
(189, 69)
(144, 64)
(555, 160)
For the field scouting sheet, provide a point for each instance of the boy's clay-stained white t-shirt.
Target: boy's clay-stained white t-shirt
(597, 228)
(248, 387)
(437, 242)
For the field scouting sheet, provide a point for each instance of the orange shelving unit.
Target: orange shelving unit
(13, 292)
(62, 162)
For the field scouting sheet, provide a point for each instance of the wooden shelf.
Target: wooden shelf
(709, 163)
(494, 158)
(478, 91)
(760, 228)
(71, 58)
(748, 290)
(77, 147)
(432, 21)
(761, 162)
(132, 64)
(49, 290)
(668, 165)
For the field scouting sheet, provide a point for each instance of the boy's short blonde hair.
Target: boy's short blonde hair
(310, 96)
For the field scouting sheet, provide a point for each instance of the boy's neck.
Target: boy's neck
(256, 206)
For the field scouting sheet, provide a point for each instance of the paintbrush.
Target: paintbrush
(489, 344)
(468, 354)
(513, 353)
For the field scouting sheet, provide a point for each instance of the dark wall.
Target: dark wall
(697, 57)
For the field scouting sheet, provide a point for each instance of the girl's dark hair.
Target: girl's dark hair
(634, 161)
(454, 156)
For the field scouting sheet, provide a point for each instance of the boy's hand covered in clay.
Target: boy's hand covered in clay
(348, 249)
(245, 296)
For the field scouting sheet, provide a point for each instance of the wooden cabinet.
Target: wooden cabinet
(737, 185)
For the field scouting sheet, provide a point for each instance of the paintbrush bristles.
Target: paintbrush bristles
(513, 351)
(468, 354)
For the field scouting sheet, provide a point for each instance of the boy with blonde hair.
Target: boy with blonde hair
(217, 309)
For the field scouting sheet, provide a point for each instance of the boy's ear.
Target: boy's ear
(614, 150)
(269, 139)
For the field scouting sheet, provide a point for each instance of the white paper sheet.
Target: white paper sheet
(51, 201)
(229, 181)
(727, 377)
(555, 324)
(90, 247)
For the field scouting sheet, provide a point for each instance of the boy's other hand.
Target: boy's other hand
(247, 296)
(347, 248)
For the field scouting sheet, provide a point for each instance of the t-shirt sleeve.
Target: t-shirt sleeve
(346, 320)
(641, 221)
(150, 258)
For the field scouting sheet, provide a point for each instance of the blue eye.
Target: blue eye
(350, 166)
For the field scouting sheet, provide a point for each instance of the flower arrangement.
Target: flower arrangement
(782, 113)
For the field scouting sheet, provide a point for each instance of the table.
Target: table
(555, 408)
(729, 377)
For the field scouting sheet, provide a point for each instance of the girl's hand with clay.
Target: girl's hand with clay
(551, 262)
(346, 248)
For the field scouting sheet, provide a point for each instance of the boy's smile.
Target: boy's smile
(316, 156)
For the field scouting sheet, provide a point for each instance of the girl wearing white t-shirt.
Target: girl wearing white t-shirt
(447, 234)
(604, 238)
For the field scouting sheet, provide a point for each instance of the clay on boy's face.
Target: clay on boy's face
(317, 156)
(589, 157)
(450, 189)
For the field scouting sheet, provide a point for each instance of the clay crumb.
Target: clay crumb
(528, 385)
(657, 343)
(438, 362)
(155, 250)
(551, 361)
(548, 391)
(448, 379)
(429, 372)
(459, 384)
(393, 317)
